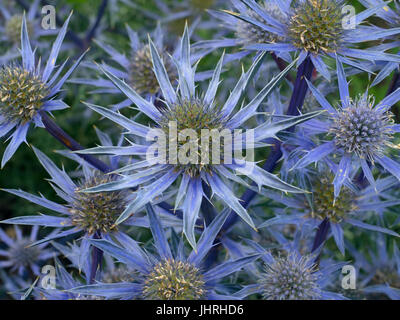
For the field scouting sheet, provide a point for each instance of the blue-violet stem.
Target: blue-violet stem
(305, 70)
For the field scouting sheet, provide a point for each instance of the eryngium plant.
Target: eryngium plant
(135, 218)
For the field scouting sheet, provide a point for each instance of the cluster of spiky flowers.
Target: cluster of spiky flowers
(194, 252)
(187, 110)
(174, 280)
(362, 129)
(84, 212)
(165, 276)
(291, 278)
(22, 94)
(314, 28)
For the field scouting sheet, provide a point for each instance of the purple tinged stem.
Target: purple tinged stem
(97, 256)
(100, 13)
(321, 235)
(70, 143)
(305, 70)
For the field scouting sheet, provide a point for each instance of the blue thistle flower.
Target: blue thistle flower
(313, 28)
(137, 67)
(83, 212)
(26, 90)
(392, 18)
(351, 207)
(191, 110)
(361, 134)
(291, 278)
(166, 276)
(290, 275)
(19, 255)
(380, 272)
(10, 30)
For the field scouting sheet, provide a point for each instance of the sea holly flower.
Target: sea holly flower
(290, 275)
(137, 67)
(380, 272)
(27, 90)
(110, 272)
(361, 133)
(89, 214)
(14, 286)
(65, 281)
(19, 255)
(10, 29)
(83, 213)
(392, 18)
(190, 110)
(167, 275)
(352, 207)
(314, 28)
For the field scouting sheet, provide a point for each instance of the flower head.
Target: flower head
(13, 28)
(22, 94)
(20, 255)
(250, 34)
(174, 280)
(27, 89)
(83, 212)
(352, 207)
(362, 129)
(314, 28)
(166, 276)
(136, 67)
(97, 211)
(141, 74)
(290, 275)
(362, 133)
(291, 278)
(186, 153)
(322, 203)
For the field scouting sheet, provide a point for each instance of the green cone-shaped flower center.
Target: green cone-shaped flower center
(323, 204)
(142, 77)
(174, 280)
(198, 128)
(363, 130)
(13, 28)
(21, 94)
(316, 26)
(100, 210)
